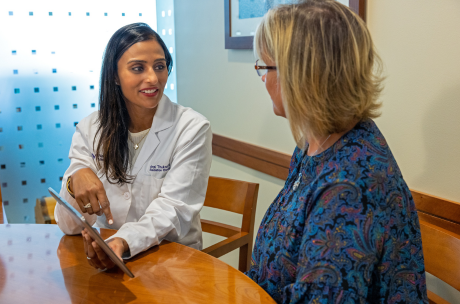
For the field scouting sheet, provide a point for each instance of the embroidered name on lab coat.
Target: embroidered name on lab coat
(100, 157)
(160, 168)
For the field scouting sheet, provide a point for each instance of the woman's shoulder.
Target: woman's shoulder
(189, 114)
(88, 122)
(364, 160)
(364, 144)
(186, 116)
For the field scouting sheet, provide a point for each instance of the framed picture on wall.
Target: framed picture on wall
(243, 16)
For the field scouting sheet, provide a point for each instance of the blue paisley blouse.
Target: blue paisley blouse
(349, 234)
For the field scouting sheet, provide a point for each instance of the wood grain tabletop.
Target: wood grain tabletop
(39, 264)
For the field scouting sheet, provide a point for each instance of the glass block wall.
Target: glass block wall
(50, 58)
(165, 19)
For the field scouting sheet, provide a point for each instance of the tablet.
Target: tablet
(92, 232)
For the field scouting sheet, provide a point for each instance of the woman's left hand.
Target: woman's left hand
(97, 257)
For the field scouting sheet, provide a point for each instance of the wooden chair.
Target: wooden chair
(225, 194)
(44, 210)
(440, 227)
(235, 196)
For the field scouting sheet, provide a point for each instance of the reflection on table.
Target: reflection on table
(39, 264)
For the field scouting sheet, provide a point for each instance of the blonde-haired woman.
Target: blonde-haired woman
(344, 228)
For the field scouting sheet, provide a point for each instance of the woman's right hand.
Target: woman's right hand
(87, 188)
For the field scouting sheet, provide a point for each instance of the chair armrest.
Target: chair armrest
(234, 242)
(219, 228)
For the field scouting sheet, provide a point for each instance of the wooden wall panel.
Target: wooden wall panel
(435, 206)
(438, 221)
(258, 158)
(433, 209)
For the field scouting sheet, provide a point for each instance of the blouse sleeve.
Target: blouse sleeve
(340, 248)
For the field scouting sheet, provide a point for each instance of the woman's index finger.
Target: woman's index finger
(105, 205)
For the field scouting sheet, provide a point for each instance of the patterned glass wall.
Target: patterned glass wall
(165, 19)
(50, 59)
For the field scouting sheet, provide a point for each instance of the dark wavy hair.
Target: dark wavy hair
(113, 118)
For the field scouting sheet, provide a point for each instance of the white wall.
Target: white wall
(223, 86)
(419, 42)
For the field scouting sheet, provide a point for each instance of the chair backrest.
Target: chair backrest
(441, 249)
(44, 210)
(235, 196)
(440, 228)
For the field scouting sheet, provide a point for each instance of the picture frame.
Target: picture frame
(241, 40)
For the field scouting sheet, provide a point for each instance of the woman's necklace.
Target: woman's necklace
(297, 182)
(136, 146)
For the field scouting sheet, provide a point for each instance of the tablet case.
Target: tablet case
(92, 232)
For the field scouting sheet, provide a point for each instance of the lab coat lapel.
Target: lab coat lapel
(163, 119)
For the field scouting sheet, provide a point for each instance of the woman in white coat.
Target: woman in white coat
(141, 163)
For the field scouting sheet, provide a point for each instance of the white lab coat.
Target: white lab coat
(171, 178)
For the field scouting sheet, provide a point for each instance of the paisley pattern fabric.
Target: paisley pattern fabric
(349, 234)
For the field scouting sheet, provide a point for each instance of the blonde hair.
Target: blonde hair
(328, 70)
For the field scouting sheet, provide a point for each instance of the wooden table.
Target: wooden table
(39, 264)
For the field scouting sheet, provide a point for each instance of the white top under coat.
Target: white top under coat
(139, 139)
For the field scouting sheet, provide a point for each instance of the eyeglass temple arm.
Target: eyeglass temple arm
(263, 67)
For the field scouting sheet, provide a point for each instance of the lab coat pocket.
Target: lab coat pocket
(151, 187)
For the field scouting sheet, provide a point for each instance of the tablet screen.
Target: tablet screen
(92, 232)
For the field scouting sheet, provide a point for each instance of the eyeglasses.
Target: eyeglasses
(263, 69)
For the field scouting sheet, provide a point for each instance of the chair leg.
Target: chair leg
(245, 258)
